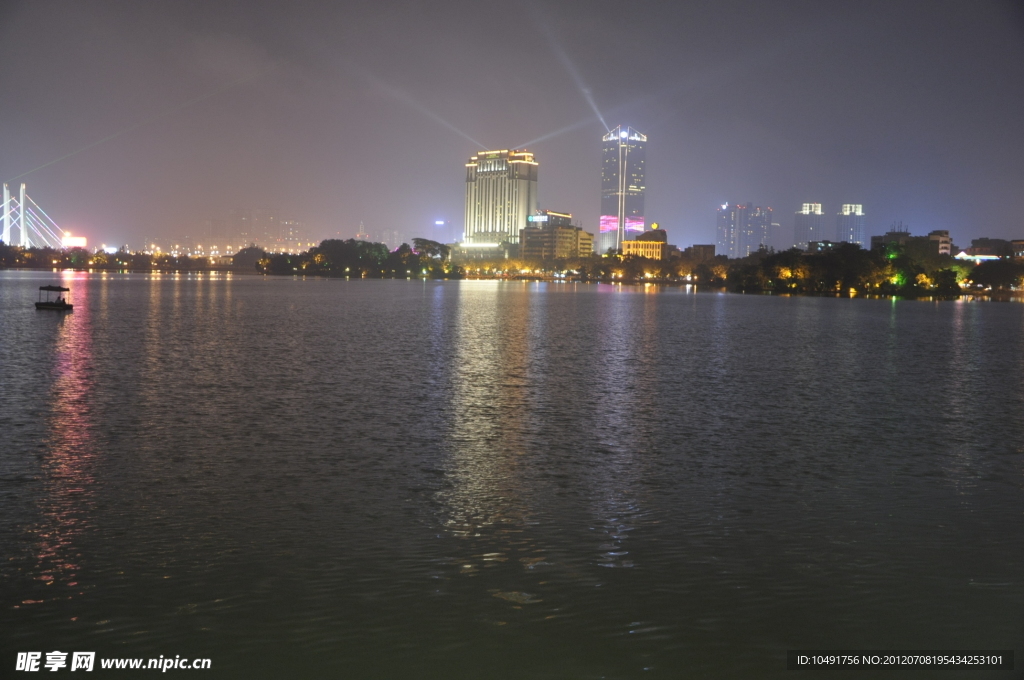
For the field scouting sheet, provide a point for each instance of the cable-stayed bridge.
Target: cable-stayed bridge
(33, 226)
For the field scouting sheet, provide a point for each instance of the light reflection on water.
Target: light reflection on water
(390, 478)
(486, 414)
(69, 458)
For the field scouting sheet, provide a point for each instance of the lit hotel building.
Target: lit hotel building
(850, 224)
(501, 193)
(808, 225)
(623, 174)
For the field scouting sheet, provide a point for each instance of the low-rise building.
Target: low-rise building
(552, 236)
(825, 246)
(702, 252)
(895, 235)
(652, 250)
(651, 244)
(990, 246)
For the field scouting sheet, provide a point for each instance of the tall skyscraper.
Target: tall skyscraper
(808, 225)
(623, 177)
(742, 228)
(850, 224)
(501, 192)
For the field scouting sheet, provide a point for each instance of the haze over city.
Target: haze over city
(134, 120)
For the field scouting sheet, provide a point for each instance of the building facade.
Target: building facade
(651, 244)
(808, 225)
(623, 180)
(552, 235)
(850, 224)
(942, 241)
(652, 250)
(701, 252)
(742, 228)
(501, 192)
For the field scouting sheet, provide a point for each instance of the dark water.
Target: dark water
(399, 479)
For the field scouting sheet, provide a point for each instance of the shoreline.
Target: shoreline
(967, 295)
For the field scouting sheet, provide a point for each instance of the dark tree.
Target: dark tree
(997, 274)
(246, 259)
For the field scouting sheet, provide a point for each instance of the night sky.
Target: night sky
(339, 112)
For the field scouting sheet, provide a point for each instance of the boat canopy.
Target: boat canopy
(55, 289)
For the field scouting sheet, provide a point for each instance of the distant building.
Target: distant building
(1018, 247)
(293, 237)
(821, 246)
(362, 234)
(389, 237)
(623, 180)
(936, 243)
(808, 225)
(501, 192)
(265, 227)
(552, 235)
(742, 229)
(702, 253)
(990, 246)
(214, 230)
(896, 234)
(850, 224)
(239, 228)
(248, 226)
(776, 239)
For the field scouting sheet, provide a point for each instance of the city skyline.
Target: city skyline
(137, 120)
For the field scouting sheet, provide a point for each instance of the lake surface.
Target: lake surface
(399, 479)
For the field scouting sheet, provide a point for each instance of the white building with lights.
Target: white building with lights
(501, 193)
(808, 225)
(850, 224)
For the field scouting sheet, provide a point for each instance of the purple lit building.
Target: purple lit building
(623, 176)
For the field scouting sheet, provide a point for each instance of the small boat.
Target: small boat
(58, 303)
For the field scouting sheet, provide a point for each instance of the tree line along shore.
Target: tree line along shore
(846, 270)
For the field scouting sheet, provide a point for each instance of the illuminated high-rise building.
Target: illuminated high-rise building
(850, 224)
(501, 192)
(623, 178)
(808, 225)
(742, 228)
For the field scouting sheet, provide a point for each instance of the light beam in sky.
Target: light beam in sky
(407, 99)
(568, 128)
(570, 67)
